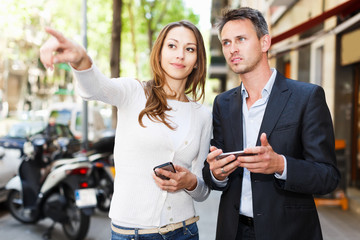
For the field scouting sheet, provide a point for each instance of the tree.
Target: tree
(139, 35)
(22, 23)
(115, 47)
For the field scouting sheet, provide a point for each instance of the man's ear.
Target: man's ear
(265, 42)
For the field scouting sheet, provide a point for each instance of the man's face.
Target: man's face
(241, 47)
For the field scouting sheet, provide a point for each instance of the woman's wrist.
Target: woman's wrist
(83, 64)
(193, 183)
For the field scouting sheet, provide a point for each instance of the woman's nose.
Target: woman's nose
(180, 54)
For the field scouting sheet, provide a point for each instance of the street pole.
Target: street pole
(85, 105)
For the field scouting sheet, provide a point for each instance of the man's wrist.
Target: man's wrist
(283, 174)
(281, 162)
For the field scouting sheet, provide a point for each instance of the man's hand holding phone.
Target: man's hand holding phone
(223, 164)
(217, 166)
(172, 178)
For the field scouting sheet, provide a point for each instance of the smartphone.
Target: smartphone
(236, 153)
(167, 166)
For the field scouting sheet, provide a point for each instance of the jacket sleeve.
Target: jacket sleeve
(317, 172)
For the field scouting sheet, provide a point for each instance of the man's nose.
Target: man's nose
(233, 48)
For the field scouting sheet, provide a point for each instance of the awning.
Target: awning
(343, 9)
(336, 30)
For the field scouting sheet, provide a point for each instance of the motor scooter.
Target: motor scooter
(60, 192)
(102, 175)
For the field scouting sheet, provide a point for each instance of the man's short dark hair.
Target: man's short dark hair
(243, 13)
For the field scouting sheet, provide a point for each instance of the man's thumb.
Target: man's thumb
(263, 139)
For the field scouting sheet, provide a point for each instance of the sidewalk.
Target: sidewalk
(336, 223)
(353, 195)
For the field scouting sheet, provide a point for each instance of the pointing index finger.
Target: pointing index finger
(55, 34)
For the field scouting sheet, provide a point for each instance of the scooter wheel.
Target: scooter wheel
(18, 211)
(77, 224)
(104, 195)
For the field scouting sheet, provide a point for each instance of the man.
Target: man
(288, 126)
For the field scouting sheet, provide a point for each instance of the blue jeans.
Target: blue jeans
(189, 232)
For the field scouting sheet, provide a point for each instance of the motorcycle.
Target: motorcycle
(102, 175)
(55, 189)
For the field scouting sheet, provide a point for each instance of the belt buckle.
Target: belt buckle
(166, 229)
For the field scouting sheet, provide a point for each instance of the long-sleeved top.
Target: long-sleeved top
(137, 200)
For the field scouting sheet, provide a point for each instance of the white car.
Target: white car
(71, 114)
(10, 160)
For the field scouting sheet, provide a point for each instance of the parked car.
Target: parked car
(72, 115)
(19, 132)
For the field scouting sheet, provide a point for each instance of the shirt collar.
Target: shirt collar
(266, 90)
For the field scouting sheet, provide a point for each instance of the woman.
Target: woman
(157, 123)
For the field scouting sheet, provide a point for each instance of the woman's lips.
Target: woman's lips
(178, 65)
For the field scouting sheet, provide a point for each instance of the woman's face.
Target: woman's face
(178, 54)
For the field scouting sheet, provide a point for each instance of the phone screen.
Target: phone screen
(167, 166)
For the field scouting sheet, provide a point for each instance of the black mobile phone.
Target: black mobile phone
(167, 166)
(236, 154)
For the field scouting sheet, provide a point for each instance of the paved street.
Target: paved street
(336, 224)
(10, 229)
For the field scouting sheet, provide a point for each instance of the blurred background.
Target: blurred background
(313, 41)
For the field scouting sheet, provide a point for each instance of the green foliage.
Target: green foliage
(23, 21)
(99, 20)
(148, 10)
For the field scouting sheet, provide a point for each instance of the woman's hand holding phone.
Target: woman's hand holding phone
(174, 180)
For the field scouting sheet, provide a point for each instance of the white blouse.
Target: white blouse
(137, 200)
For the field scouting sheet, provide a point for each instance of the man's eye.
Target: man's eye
(242, 39)
(226, 43)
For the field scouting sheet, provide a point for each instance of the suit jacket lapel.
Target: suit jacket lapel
(236, 119)
(277, 101)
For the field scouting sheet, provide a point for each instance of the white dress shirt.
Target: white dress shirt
(252, 119)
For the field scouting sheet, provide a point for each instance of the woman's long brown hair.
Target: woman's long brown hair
(156, 104)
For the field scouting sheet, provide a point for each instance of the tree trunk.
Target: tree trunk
(133, 39)
(115, 48)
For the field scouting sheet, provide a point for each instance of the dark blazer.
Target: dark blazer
(298, 125)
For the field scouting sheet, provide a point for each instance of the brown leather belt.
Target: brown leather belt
(248, 221)
(160, 230)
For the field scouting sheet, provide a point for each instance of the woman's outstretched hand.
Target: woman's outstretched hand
(59, 49)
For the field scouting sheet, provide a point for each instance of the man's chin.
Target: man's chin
(239, 70)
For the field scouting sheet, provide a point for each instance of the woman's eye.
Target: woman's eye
(171, 45)
(190, 49)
